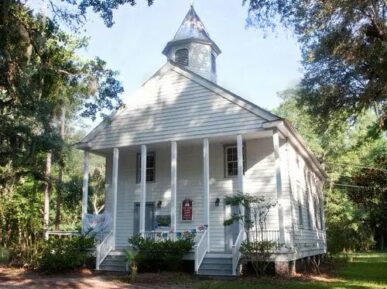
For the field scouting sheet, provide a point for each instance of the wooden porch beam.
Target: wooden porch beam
(206, 186)
(114, 191)
(85, 187)
(278, 178)
(173, 188)
(143, 188)
(240, 173)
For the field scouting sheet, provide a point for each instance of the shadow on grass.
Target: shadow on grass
(364, 271)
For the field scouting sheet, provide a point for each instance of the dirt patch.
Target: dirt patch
(18, 278)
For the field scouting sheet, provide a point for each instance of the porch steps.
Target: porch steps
(114, 262)
(216, 265)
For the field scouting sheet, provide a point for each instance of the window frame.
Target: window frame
(138, 167)
(225, 159)
(187, 56)
(299, 206)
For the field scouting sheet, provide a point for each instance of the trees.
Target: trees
(74, 12)
(355, 189)
(370, 194)
(344, 49)
(41, 77)
(256, 248)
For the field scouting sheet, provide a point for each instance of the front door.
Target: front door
(231, 231)
(149, 218)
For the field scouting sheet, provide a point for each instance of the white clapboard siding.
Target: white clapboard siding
(259, 179)
(174, 107)
(308, 240)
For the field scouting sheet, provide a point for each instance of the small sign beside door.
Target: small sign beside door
(186, 210)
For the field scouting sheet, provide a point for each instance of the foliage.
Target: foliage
(256, 249)
(74, 12)
(153, 255)
(26, 256)
(345, 149)
(344, 50)
(371, 195)
(42, 76)
(131, 257)
(66, 254)
(346, 226)
(258, 253)
(4, 255)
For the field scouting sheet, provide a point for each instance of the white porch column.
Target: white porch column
(240, 174)
(85, 187)
(173, 188)
(276, 146)
(143, 189)
(114, 191)
(206, 187)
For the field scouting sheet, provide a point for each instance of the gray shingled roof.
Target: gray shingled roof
(192, 27)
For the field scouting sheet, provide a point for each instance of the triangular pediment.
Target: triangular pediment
(176, 104)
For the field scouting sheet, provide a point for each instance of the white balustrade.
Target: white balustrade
(236, 255)
(266, 235)
(104, 248)
(201, 249)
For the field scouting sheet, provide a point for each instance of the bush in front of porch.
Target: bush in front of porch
(161, 255)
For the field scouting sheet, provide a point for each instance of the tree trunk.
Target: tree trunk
(47, 189)
(60, 174)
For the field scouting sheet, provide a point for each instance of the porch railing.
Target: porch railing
(166, 235)
(265, 235)
(60, 234)
(103, 249)
(200, 250)
(236, 255)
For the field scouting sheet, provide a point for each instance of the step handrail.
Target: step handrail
(201, 249)
(103, 249)
(236, 255)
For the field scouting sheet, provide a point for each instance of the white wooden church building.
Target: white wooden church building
(183, 143)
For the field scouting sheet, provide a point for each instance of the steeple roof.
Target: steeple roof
(192, 29)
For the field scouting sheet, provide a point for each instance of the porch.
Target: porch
(196, 170)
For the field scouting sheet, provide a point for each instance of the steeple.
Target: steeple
(193, 48)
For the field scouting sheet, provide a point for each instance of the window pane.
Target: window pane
(150, 167)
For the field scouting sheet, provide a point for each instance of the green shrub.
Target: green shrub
(4, 255)
(165, 255)
(26, 256)
(258, 252)
(65, 254)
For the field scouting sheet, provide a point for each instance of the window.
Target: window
(299, 204)
(308, 209)
(150, 167)
(213, 63)
(321, 216)
(181, 56)
(231, 160)
(316, 210)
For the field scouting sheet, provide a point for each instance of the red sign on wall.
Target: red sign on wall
(186, 210)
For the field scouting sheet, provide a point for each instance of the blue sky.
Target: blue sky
(255, 65)
(251, 65)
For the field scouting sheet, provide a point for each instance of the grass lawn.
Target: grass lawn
(364, 270)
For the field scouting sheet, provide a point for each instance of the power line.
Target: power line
(365, 167)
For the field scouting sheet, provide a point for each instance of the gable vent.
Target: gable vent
(181, 57)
